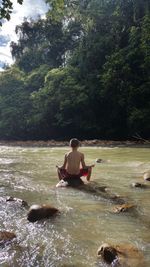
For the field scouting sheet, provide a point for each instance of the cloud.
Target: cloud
(4, 55)
(29, 9)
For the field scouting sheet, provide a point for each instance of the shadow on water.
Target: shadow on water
(86, 219)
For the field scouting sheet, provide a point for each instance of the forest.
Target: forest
(83, 71)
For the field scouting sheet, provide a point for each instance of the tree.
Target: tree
(84, 71)
(60, 104)
(6, 8)
(14, 105)
(44, 42)
(126, 83)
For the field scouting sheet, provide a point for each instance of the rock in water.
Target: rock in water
(6, 236)
(122, 255)
(99, 160)
(108, 253)
(19, 201)
(38, 212)
(138, 185)
(146, 176)
(123, 208)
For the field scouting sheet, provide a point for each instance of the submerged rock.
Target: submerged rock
(22, 202)
(146, 176)
(99, 160)
(102, 161)
(116, 199)
(38, 212)
(93, 188)
(123, 255)
(138, 185)
(101, 191)
(123, 208)
(6, 236)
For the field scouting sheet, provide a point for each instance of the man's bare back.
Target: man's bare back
(74, 162)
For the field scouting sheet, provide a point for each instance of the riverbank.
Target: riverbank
(95, 142)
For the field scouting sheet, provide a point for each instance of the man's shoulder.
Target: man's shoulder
(81, 154)
(68, 153)
(74, 153)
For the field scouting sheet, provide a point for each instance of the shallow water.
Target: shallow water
(86, 220)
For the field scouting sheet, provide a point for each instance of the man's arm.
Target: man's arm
(83, 163)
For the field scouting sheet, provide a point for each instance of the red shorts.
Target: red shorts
(65, 174)
(73, 180)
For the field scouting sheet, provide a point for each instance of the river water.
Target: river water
(86, 220)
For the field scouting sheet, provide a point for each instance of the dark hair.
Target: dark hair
(74, 142)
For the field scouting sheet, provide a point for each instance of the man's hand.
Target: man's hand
(93, 165)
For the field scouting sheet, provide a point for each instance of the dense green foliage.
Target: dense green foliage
(83, 71)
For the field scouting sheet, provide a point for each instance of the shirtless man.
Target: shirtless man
(73, 167)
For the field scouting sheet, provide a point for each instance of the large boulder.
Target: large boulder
(38, 212)
(6, 236)
(123, 255)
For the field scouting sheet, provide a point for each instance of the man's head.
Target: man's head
(74, 143)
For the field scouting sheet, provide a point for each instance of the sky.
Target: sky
(29, 9)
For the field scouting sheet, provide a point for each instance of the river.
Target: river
(86, 220)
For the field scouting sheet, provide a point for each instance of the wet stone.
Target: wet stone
(146, 176)
(21, 202)
(138, 185)
(39, 212)
(123, 208)
(6, 236)
(122, 255)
